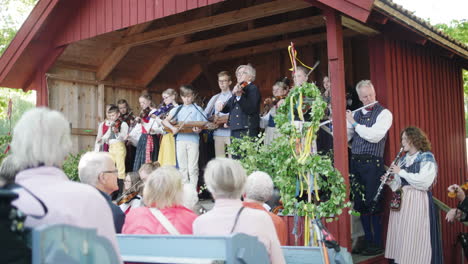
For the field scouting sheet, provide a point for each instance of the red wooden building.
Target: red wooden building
(81, 55)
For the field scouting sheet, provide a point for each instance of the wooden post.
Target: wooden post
(337, 80)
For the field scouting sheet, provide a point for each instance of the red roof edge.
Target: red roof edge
(357, 9)
(25, 35)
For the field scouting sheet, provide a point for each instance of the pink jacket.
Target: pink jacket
(141, 221)
(220, 219)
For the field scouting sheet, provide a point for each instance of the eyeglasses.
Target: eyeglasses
(223, 81)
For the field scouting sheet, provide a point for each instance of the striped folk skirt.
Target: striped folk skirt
(409, 230)
(140, 155)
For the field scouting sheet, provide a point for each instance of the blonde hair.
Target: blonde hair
(170, 92)
(41, 137)
(149, 167)
(163, 188)
(225, 178)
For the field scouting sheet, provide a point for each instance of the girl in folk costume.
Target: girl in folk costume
(133, 186)
(100, 145)
(280, 91)
(413, 235)
(167, 155)
(148, 143)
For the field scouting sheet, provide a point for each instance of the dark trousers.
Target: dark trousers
(239, 133)
(365, 174)
(130, 157)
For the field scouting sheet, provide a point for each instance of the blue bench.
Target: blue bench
(232, 249)
(69, 244)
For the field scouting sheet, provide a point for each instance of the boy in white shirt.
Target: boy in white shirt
(116, 136)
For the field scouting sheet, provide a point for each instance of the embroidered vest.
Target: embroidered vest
(362, 146)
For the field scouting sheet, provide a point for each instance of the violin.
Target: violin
(116, 125)
(242, 85)
(144, 113)
(271, 102)
(127, 198)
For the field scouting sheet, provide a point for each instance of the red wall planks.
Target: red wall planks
(97, 17)
(424, 89)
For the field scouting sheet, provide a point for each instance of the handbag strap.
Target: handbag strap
(13, 186)
(164, 221)
(237, 218)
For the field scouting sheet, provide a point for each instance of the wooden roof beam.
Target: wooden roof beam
(207, 23)
(158, 65)
(249, 35)
(357, 26)
(118, 53)
(268, 47)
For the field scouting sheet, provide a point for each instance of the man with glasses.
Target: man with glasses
(244, 106)
(98, 169)
(221, 135)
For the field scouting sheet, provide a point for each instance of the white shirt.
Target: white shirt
(376, 132)
(421, 180)
(119, 137)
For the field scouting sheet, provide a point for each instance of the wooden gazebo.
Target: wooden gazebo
(81, 55)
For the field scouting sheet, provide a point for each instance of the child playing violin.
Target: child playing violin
(280, 90)
(116, 136)
(133, 186)
(100, 145)
(150, 127)
(187, 143)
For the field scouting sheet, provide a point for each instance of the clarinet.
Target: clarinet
(386, 175)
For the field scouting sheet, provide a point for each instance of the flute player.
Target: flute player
(367, 129)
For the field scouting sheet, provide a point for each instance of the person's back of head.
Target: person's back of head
(8, 170)
(91, 165)
(41, 137)
(225, 178)
(163, 188)
(148, 168)
(259, 187)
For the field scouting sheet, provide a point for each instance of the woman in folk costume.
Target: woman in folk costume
(412, 235)
(280, 91)
(148, 144)
(167, 155)
(100, 145)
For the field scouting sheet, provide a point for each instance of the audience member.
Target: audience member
(98, 169)
(258, 190)
(225, 179)
(164, 214)
(41, 142)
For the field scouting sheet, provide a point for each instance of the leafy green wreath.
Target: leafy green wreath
(290, 161)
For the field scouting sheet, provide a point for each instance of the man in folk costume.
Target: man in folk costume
(244, 106)
(368, 131)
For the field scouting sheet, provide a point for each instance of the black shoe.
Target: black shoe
(361, 245)
(372, 250)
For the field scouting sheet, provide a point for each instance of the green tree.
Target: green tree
(12, 13)
(458, 29)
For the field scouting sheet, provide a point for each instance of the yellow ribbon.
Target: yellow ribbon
(293, 57)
